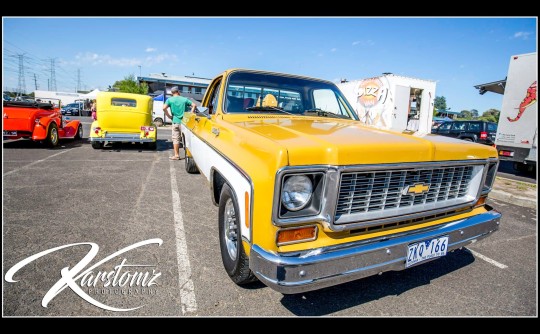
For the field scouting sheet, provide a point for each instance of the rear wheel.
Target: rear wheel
(151, 145)
(235, 260)
(97, 145)
(52, 135)
(79, 134)
(191, 166)
(521, 167)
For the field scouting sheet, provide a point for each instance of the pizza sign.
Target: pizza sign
(371, 92)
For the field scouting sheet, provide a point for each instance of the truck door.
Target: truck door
(457, 129)
(444, 129)
(401, 108)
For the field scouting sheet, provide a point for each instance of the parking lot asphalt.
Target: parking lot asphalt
(123, 194)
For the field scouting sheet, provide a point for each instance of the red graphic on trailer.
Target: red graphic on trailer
(529, 100)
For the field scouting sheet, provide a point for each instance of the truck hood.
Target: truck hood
(310, 140)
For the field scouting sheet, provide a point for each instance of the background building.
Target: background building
(190, 86)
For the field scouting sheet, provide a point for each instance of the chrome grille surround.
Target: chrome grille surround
(333, 176)
(368, 195)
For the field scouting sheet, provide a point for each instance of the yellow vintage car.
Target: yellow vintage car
(310, 197)
(123, 117)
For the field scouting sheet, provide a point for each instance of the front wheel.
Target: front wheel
(234, 258)
(52, 135)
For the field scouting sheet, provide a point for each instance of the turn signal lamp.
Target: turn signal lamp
(296, 234)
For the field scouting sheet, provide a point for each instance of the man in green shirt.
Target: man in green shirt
(178, 105)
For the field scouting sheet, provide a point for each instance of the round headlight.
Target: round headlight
(296, 192)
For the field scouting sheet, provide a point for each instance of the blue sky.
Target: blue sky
(458, 53)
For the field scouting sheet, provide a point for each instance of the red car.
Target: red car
(38, 122)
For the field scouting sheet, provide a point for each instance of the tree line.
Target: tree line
(490, 115)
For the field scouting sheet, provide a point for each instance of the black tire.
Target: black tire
(158, 121)
(191, 166)
(523, 168)
(79, 134)
(52, 135)
(151, 146)
(236, 263)
(97, 145)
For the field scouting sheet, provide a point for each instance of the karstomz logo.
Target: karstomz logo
(125, 278)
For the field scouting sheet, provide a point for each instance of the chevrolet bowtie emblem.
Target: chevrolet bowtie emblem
(417, 189)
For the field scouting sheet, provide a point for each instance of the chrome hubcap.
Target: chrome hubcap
(54, 135)
(231, 229)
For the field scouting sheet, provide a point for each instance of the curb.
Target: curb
(513, 199)
(509, 197)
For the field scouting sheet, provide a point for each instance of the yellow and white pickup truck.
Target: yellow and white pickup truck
(309, 197)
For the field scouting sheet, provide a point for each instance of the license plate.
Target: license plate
(425, 250)
(10, 133)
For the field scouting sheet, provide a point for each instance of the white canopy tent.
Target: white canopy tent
(92, 95)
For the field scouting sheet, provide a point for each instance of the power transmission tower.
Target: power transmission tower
(53, 75)
(35, 81)
(78, 80)
(21, 89)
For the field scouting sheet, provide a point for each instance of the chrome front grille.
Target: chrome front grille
(380, 194)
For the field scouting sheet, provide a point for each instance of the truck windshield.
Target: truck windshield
(257, 92)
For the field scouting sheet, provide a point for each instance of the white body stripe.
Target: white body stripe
(206, 157)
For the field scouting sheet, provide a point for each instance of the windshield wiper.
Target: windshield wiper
(268, 108)
(323, 113)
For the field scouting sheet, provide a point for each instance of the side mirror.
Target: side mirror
(201, 110)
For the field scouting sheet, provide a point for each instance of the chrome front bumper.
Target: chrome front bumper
(298, 272)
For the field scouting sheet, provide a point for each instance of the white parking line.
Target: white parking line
(187, 290)
(487, 259)
(35, 162)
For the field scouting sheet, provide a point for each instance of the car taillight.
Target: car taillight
(506, 153)
(483, 135)
(96, 130)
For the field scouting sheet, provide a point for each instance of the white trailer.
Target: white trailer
(393, 102)
(64, 97)
(517, 130)
(158, 115)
